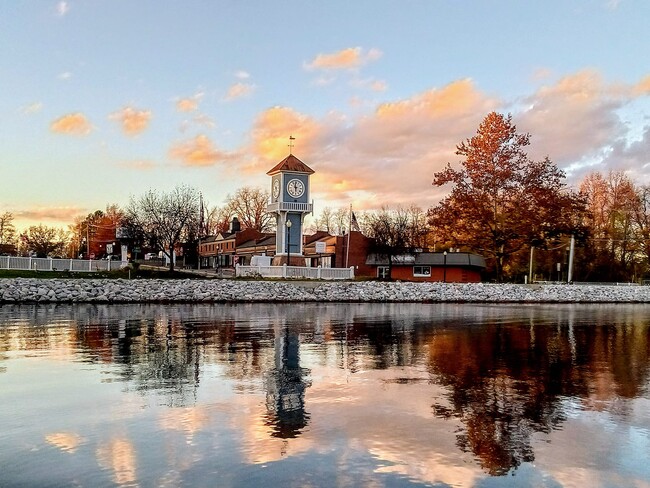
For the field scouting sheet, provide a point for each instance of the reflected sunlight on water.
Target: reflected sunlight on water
(324, 395)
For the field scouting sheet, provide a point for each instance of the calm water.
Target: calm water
(325, 395)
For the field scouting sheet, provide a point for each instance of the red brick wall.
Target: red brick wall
(453, 274)
(359, 246)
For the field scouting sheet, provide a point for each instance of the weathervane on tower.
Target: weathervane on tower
(291, 139)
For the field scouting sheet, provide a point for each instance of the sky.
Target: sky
(103, 100)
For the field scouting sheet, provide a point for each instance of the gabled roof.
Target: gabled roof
(291, 163)
(266, 239)
(317, 236)
(222, 236)
(249, 243)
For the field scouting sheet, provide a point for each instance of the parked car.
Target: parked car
(150, 255)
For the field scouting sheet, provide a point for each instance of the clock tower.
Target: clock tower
(290, 204)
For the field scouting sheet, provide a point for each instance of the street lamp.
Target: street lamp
(288, 242)
(444, 267)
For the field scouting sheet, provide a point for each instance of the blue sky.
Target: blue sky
(102, 100)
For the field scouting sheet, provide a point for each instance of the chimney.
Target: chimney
(235, 226)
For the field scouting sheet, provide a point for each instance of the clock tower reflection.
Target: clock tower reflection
(286, 385)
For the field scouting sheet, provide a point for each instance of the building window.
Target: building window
(424, 271)
(383, 272)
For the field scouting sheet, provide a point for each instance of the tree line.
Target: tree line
(154, 220)
(500, 204)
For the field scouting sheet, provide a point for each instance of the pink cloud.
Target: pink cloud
(642, 87)
(573, 118)
(386, 157)
(370, 84)
(73, 124)
(199, 151)
(187, 105)
(239, 90)
(132, 121)
(52, 214)
(350, 58)
(270, 136)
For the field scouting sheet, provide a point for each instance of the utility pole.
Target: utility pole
(571, 252)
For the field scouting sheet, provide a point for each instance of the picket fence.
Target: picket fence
(298, 272)
(56, 264)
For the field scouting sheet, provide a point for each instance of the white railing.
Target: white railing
(56, 264)
(298, 272)
(289, 206)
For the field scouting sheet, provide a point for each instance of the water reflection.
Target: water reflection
(509, 381)
(286, 384)
(395, 393)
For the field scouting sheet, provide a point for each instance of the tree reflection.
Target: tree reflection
(509, 381)
(508, 373)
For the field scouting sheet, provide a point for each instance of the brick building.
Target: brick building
(450, 267)
(220, 251)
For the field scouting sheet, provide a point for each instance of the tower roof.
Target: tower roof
(291, 163)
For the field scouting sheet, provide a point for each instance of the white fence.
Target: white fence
(299, 272)
(52, 264)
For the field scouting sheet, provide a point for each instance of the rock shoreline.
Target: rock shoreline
(33, 290)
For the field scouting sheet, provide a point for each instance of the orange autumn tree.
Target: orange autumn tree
(93, 232)
(617, 220)
(502, 201)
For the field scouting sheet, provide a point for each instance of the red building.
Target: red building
(450, 267)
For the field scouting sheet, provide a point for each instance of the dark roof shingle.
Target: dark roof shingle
(290, 163)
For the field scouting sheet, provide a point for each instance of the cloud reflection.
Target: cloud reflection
(66, 441)
(432, 393)
(119, 456)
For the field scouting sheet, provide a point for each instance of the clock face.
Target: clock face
(276, 188)
(295, 188)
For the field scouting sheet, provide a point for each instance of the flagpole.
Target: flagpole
(347, 250)
(200, 231)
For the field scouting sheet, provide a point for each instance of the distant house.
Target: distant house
(262, 244)
(221, 251)
(450, 267)
(319, 249)
(327, 251)
(351, 250)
